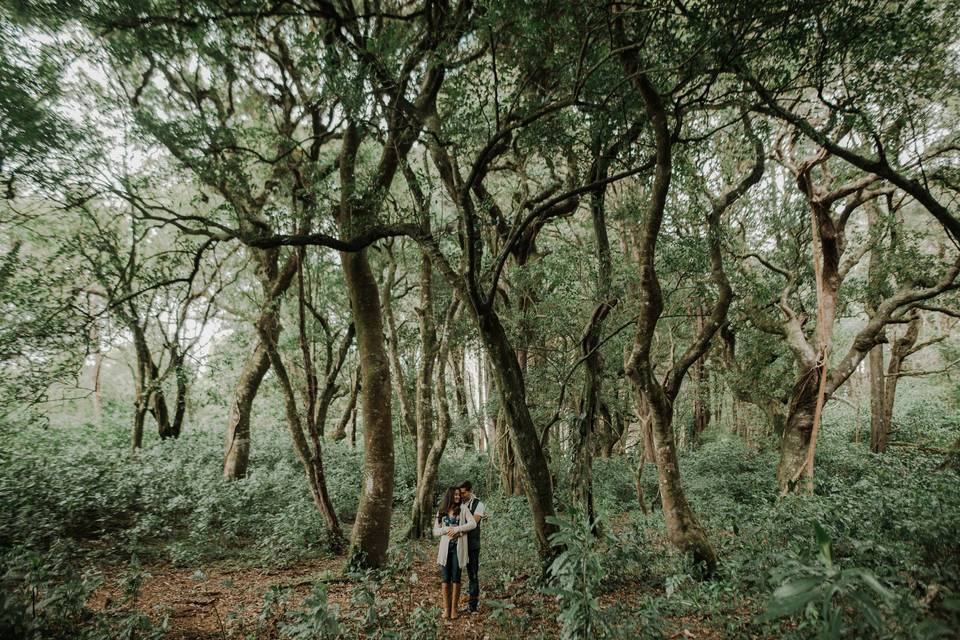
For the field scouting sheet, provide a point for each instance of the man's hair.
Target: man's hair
(465, 485)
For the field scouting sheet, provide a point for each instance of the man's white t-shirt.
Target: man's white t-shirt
(481, 509)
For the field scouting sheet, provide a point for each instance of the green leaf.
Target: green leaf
(823, 541)
(794, 588)
(783, 607)
(871, 581)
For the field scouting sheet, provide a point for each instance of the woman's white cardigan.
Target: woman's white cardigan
(470, 524)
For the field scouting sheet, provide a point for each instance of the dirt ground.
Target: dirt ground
(223, 602)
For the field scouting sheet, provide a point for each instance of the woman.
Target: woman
(453, 519)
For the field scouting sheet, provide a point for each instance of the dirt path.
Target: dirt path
(222, 602)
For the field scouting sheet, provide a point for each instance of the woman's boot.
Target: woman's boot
(445, 600)
(455, 601)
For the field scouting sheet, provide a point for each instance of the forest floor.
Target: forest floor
(108, 539)
(225, 601)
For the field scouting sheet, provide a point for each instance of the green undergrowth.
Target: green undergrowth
(76, 499)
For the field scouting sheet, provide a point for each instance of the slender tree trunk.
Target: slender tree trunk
(404, 397)
(589, 409)
(878, 427)
(428, 358)
(353, 428)
(903, 347)
(311, 459)
(470, 436)
(524, 438)
(424, 400)
(371, 529)
(638, 485)
(701, 386)
(180, 403)
(139, 415)
(340, 432)
(237, 456)
(97, 366)
(332, 385)
(422, 515)
(274, 280)
(875, 277)
(148, 380)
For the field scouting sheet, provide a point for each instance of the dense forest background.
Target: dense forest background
(674, 284)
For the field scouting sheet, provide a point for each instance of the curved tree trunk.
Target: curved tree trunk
(148, 381)
(237, 456)
(312, 460)
(275, 281)
(903, 347)
(340, 432)
(589, 410)
(683, 527)
(525, 441)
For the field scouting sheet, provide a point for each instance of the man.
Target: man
(479, 511)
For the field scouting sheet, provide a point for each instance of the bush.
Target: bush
(44, 596)
(823, 592)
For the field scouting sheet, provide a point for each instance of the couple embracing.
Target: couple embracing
(458, 525)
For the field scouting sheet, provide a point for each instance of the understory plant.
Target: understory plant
(822, 592)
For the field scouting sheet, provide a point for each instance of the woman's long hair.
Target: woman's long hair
(448, 503)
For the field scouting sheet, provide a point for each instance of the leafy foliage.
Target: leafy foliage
(821, 592)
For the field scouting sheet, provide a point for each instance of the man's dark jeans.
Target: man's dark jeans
(473, 567)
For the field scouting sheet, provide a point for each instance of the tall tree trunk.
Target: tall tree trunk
(589, 409)
(878, 427)
(422, 515)
(428, 358)
(683, 528)
(701, 387)
(274, 281)
(371, 529)
(237, 456)
(902, 348)
(875, 278)
(180, 402)
(524, 438)
(424, 400)
(406, 399)
(97, 365)
(340, 432)
(591, 398)
(311, 459)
